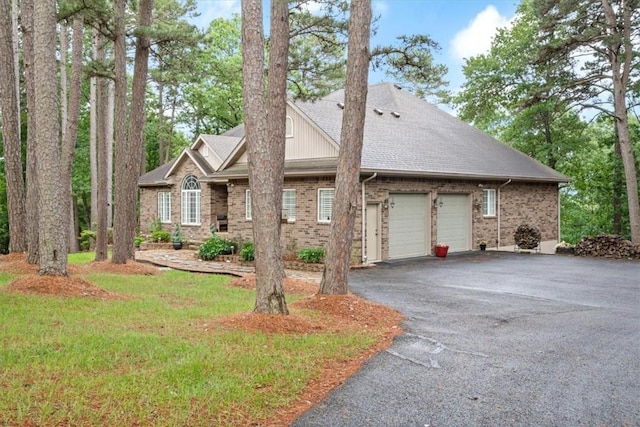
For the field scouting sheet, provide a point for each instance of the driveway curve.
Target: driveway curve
(498, 339)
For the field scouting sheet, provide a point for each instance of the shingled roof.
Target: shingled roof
(408, 136)
(403, 135)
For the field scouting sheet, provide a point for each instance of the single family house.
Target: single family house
(426, 177)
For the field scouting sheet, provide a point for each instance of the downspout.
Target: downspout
(499, 210)
(364, 213)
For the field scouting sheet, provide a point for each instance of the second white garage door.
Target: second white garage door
(454, 223)
(408, 225)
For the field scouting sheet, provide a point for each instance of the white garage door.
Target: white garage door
(408, 225)
(454, 221)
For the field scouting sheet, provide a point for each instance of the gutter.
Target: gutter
(499, 210)
(364, 213)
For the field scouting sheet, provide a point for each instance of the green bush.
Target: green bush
(213, 247)
(247, 253)
(311, 256)
(160, 236)
(138, 240)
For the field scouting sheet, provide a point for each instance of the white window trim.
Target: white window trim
(185, 197)
(289, 127)
(164, 207)
(323, 220)
(291, 217)
(489, 202)
(247, 207)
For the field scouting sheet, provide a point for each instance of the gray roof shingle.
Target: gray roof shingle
(424, 140)
(410, 137)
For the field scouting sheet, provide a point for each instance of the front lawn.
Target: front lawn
(164, 352)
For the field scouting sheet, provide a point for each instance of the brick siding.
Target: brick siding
(520, 203)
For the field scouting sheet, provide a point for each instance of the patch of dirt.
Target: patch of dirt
(131, 267)
(66, 286)
(59, 286)
(291, 285)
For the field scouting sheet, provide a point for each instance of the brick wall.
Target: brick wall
(520, 203)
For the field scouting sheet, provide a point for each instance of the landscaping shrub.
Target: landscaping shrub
(311, 256)
(527, 236)
(247, 252)
(160, 236)
(213, 247)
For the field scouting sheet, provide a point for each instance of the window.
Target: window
(164, 207)
(288, 204)
(489, 202)
(325, 204)
(289, 128)
(247, 201)
(191, 200)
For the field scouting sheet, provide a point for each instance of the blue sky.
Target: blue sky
(463, 28)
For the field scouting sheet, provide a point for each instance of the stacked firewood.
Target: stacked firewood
(527, 237)
(607, 245)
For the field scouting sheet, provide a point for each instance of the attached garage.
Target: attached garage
(454, 221)
(408, 225)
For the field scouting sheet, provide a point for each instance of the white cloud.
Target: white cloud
(214, 9)
(476, 38)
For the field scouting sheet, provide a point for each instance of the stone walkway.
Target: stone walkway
(187, 260)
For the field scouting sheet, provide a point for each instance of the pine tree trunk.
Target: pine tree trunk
(338, 257)
(265, 147)
(129, 155)
(12, 146)
(620, 62)
(71, 125)
(52, 243)
(93, 134)
(32, 214)
(102, 96)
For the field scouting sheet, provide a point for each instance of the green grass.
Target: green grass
(157, 358)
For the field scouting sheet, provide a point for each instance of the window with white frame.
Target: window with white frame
(164, 206)
(289, 127)
(191, 200)
(288, 204)
(325, 204)
(489, 202)
(247, 204)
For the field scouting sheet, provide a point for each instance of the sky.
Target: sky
(462, 28)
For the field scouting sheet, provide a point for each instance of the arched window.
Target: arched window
(190, 200)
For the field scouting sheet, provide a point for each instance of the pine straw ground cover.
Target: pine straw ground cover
(133, 345)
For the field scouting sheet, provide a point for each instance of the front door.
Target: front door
(373, 232)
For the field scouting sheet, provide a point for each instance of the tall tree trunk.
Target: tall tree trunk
(161, 121)
(32, 214)
(102, 96)
(618, 190)
(265, 146)
(172, 122)
(52, 243)
(621, 69)
(71, 125)
(129, 155)
(93, 134)
(109, 138)
(12, 146)
(338, 257)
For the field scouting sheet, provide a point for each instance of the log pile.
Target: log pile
(607, 245)
(527, 237)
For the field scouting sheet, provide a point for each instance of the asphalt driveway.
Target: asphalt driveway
(499, 339)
